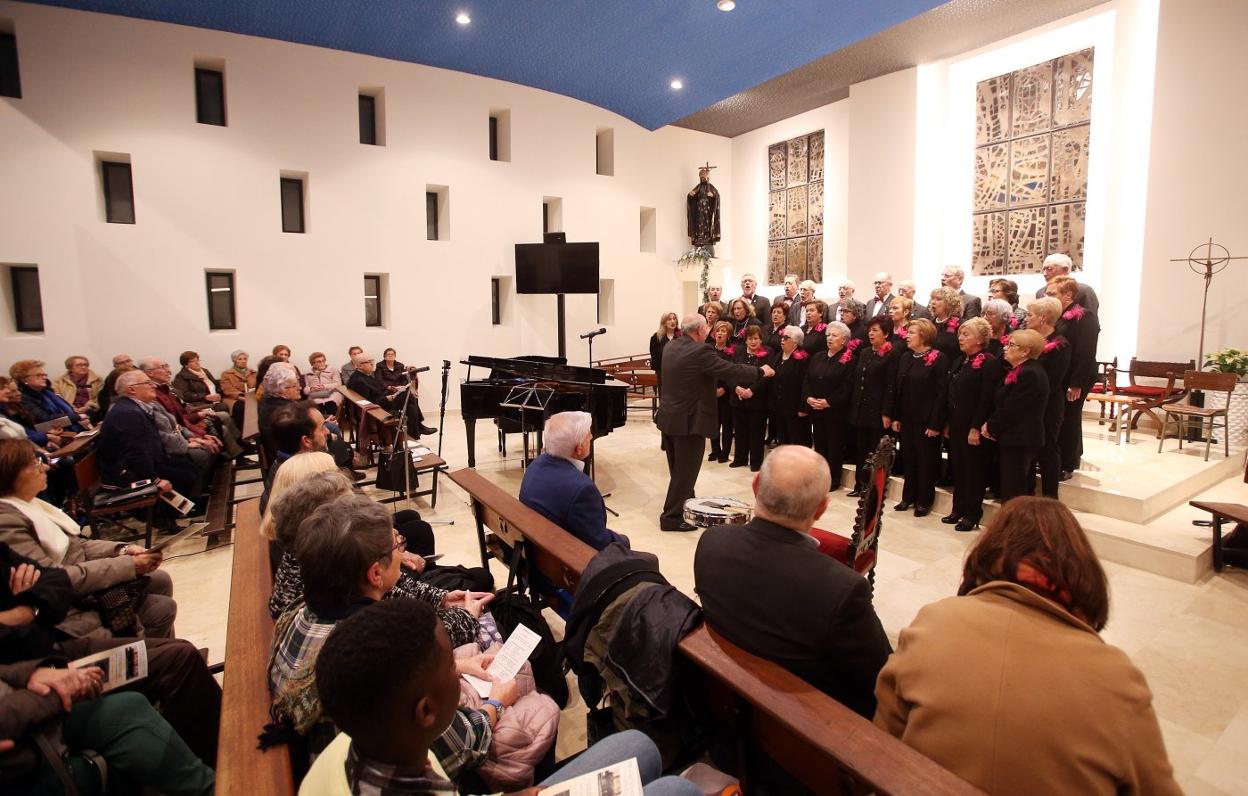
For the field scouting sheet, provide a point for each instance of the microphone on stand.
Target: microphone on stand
(594, 333)
(414, 371)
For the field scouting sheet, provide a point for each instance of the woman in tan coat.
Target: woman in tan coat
(1009, 685)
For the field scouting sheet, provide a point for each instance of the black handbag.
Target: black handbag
(118, 605)
(390, 476)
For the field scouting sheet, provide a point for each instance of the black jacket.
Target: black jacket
(967, 397)
(815, 340)
(1082, 329)
(912, 396)
(1018, 413)
(786, 390)
(760, 386)
(947, 337)
(690, 373)
(51, 595)
(1056, 363)
(769, 590)
(873, 377)
(657, 344)
(832, 380)
(129, 445)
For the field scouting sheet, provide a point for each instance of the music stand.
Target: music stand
(527, 397)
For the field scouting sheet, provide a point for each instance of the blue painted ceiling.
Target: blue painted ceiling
(620, 55)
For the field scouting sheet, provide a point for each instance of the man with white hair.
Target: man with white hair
(762, 305)
(556, 486)
(878, 305)
(130, 446)
(688, 413)
(952, 277)
(790, 288)
(216, 430)
(797, 310)
(845, 289)
(364, 381)
(766, 587)
(906, 289)
(1056, 265)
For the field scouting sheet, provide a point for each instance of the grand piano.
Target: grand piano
(547, 385)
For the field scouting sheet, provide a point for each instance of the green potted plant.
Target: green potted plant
(1232, 360)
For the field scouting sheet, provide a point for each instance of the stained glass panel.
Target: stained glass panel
(1072, 89)
(1070, 163)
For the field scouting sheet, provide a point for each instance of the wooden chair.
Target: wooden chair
(1151, 396)
(1106, 384)
(87, 473)
(858, 550)
(1208, 382)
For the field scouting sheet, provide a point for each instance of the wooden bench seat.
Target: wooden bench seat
(816, 739)
(369, 420)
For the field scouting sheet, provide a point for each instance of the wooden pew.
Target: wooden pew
(819, 741)
(636, 371)
(242, 768)
(370, 420)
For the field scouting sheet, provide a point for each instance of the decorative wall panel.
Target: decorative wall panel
(1032, 129)
(795, 170)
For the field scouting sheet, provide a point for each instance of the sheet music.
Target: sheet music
(508, 660)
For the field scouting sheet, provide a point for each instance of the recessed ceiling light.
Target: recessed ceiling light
(725, 5)
(463, 18)
(676, 85)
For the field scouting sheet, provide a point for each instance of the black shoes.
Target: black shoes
(903, 506)
(714, 457)
(1066, 475)
(683, 527)
(966, 524)
(922, 511)
(739, 464)
(950, 519)
(855, 492)
(426, 430)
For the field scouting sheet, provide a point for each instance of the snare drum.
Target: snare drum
(711, 511)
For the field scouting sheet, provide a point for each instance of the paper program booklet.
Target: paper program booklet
(508, 660)
(121, 665)
(618, 779)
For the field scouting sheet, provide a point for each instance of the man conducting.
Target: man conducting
(688, 414)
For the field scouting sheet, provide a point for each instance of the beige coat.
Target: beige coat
(1017, 696)
(92, 564)
(64, 386)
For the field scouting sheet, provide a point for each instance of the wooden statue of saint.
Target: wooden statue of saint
(703, 210)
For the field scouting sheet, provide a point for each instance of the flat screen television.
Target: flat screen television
(556, 267)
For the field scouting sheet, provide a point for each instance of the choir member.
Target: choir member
(1017, 421)
(961, 410)
(900, 311)
(1007, 291)
(721, 441)
(669, 329)
(1082, 328)
(749, 403)
(874, 374)
(1002, 321)
(779, 320)
(1042, 316)
(741, 313)
(828, 385)
(815, 328)
(712, 311)
(853, 315)
(946, 307)
(911, 406)
(793, 424)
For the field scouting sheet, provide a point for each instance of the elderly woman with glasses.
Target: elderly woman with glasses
(41, 401)
(792, 419)
(1019, 410)
(853, 315)
(826, 391)
(80, 386)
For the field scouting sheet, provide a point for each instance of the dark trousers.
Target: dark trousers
(684, 462)
(721, 443)
(794, 429)
(1017, 466)
(749, 428)
(1071, 434)
(830, 434)
(177, 680)
(1050, 456)
(920, 463)
(866, 439)
(970, 474)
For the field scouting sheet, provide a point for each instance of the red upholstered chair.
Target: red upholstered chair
(1151, 396)
(859, 549)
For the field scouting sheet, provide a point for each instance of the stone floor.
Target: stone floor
(1189, 639)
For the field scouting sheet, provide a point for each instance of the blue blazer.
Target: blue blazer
(129, 445)
(560, 492)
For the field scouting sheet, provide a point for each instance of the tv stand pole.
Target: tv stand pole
(562, 311)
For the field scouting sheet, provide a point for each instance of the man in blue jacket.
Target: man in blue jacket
(129, 445)
(555, 485)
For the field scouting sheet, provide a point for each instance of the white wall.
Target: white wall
(207, 198)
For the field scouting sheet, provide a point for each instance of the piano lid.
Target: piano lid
(543, 369)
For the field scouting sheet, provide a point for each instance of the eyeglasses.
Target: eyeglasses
(1012, 344)
(400, 544)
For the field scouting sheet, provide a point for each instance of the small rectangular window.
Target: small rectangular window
(292, 204)
(496, 305)
(368, 120)
(10, 79)
(210, 96)
(648, 234)
(27, 298)
(431, 215)
(221, 300)
(552, 214)
(372, 300)
(118, 192)
(500, 135)
(604, 161)
(493, 138)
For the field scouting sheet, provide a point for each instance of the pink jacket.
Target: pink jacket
(524, 734)
(322, 385)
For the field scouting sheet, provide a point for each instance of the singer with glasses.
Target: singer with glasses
(364, 381)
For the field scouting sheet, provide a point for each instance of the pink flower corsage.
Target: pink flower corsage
(903, 333)
(821, 327)
(951, 325)
(1051, 345)
(1004, 339)
(741, 334)
(885, 350)
(800, 354)
(850, 349)
(978, 361)
(1073, 314)
(930, 357)
(1012, 376)
(730, 350)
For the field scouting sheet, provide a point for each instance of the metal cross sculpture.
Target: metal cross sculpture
(1213, 262)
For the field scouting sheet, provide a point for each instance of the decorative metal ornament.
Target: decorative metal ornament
(795, 172)
(1215, 260)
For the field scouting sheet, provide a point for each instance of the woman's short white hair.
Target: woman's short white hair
(796, 333)
(279, 376)
(998, 307)
(238, 353)
(806, 283)
(564, 431)
(840, 330)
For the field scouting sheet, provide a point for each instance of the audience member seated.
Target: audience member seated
(40, 401)
(80, 387)
(299, 419)
(1010, 686)
(15, 417)
(235, 381)
(391, 372)
(108, 391)
(50, 537)
(129, 445)
(195, 384)
(766, 587)
(347, 370)
(322, 383)
(394, 696)
(216, 428)
(181, 444)
(262, 370)
(35, 599)
(316, 482)
(556, 486)
(364, 381)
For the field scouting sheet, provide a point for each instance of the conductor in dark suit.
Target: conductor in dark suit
(766, 587)
(688, 413)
